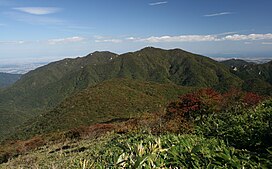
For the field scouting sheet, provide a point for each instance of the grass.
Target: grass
(139, 150)
(234, 139)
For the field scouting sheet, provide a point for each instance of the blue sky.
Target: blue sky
(46, 30)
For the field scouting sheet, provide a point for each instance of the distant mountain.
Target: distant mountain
(234, 63)
(42, 89)
(259, 61)
(112, 100)
(7, 79)
(257, 77)
(48, 85)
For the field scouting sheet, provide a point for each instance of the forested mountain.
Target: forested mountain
(7, 79)
(42, 89)
(256, 77)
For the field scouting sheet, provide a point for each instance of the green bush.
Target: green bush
(245, 129)
(170, 151)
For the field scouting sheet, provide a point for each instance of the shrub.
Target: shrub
(249, 129)
(251, 99)
(198, 104)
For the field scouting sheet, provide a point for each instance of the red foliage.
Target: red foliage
(251, 99)
(200, 102)
(235, 98)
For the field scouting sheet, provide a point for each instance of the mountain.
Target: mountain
(109, 101)
(42, 89)
(257, 77)
(236, 63)
(7, 79)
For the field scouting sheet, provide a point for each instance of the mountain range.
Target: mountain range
(257, 77)
(105, 86)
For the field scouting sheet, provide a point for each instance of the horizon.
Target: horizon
(53, 30)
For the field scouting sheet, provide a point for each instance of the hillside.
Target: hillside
(229, 139)
(257, 77)
(42, 89)
(236, 63)
(7, 79)
(113, 100)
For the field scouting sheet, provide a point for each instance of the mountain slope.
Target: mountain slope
(7, 79)
(44, 88)
(236, 63)
(257, 77)
(112, 100)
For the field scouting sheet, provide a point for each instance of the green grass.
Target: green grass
(139, 150)
(230, 139)
(243, 129)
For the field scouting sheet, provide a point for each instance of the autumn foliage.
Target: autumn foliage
(199, 104)
(251, 99)
(195, 104)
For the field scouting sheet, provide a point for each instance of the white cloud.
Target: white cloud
(203, 38)
(225, 33)
(182, 38)
(11, 42)
(34, 19)
(130, 38)
(65, 40)
(158, 3)
(109, 40)
(237, 37)
(2, 24)
(38, 10)
(218, 14)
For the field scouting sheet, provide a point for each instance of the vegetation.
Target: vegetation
(120, 111)
(7, 79)
(257, 77)
(114, 100)
(46, 87)
(232, 63)
(218, 135)
(141, 150)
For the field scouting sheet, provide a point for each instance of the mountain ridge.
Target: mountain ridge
(43, 89)
(257, 77)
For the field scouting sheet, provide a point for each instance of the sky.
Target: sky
(47, 30)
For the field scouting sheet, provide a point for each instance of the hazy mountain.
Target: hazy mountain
(7, 79)
(42, 89)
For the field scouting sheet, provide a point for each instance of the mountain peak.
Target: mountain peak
(151, 48)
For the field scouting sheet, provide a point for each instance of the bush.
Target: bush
(195, 105)
(170, 151)
(248, 129)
